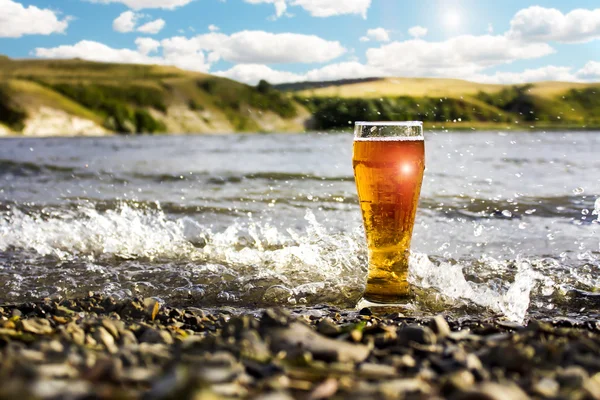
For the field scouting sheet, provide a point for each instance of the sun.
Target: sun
(451, 19)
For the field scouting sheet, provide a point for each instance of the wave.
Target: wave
(133, 249)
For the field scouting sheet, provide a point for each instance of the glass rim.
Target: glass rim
(388, 123)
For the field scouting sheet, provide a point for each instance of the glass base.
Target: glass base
(386, 308)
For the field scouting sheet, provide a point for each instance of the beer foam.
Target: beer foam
(390, 139)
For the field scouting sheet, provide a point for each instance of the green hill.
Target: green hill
(452, 103)
(130, 98)
(49, 97)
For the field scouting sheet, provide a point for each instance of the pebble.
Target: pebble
(417, 334)
(98, 346)
(573, 377)
(546, 387)
(439, 326)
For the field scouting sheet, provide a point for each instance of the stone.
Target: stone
(102, 336)
(152, 335)
(398, 388)
(546, 387)
(573, 377)
(299, 337)
(417, 334)
(327, 327)
(460, 381)
(324, 390)
(376, 371)
(493, 391)
(439, 326)
(38, 326)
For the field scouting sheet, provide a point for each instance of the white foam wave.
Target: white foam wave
(450, 280)
(309, 266)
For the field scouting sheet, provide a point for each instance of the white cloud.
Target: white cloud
(460, 56)
(377, 34)
(343, 70)
(174, 53)
(256, 47)
(147, 45)
(252, 73)
(547, 73)
(320, 8)
(141, 4)
(126, 22)
(490, 28)
(90, 50)
(417, 31)
(541, 24)
(590, 71)
(329, 8)
(17, 20)
(152, 27)
(280, 5)
(213, 28)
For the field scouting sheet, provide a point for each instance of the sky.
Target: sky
(506, 41)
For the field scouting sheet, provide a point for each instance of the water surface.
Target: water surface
(508, 222)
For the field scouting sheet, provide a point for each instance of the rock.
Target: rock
(327, 327)
(513, 358)
(128, 338)
(152, 335)
(405, 361)
(376, 371)
(592, 386)
(458, 381)
(102, 336)
(365, 311)
(278, 395)
(546, 387)
(300, 337)
(275, 317)
(38, 326)
(152, 306)
(439, 326)
(54, 389)
(218, 368)
(57, 371)
(493, 391)
(417, 334)
(398, 388)
(252, 347)
(111, 327)
(572, 377)
(324, 390)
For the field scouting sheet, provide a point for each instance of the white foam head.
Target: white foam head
(388, 131)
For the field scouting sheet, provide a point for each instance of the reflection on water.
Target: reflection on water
(507, 224)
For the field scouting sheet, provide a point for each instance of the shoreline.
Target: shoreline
(426, 127)
(103, 347)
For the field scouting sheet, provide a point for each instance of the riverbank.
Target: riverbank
(103, 347)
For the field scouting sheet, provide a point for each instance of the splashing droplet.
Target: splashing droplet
(507, 213)
(578, 190)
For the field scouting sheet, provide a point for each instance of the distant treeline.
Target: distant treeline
(515, 103)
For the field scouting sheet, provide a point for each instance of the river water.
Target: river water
(508, 222)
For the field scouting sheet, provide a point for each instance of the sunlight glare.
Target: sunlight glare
(451, 19)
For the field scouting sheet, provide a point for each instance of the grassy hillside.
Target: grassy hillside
(126, 98)
(452, 103)
(141, 98)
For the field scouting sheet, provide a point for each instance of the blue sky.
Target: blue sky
(288, 40)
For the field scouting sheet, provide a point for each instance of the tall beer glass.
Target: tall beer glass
(389, 161)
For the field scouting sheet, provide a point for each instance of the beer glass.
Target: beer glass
(389, 161)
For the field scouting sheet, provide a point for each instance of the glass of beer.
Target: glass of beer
(388, 161)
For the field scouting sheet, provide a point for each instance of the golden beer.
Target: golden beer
(388, 169)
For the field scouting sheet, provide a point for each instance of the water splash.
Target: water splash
(138, 248)
(450, 280)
